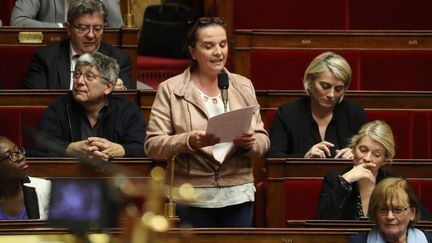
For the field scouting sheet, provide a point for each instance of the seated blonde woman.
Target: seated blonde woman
(346, 194)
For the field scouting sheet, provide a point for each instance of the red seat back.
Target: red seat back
(14, 119)
(301, 198)
(14, 64)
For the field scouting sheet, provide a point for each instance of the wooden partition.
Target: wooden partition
(72, 168)
(271, 56)
(313, 170)
(12, 37)
(224, 235)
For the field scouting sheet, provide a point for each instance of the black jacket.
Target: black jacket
(122, 124)
(50, 66)
(294, 131)
(30, 201)
(336, 202)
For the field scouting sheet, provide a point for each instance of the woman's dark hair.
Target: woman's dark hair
(200, 24)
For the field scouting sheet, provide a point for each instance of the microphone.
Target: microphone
(223, 85)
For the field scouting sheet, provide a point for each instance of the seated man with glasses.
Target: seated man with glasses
(89, 120)
(394, 207)
(21, 197)
(52, 14)
(51, 66)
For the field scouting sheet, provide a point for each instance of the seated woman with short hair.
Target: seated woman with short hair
(21, 197)
(394, 207)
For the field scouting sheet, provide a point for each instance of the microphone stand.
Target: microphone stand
(170, 206)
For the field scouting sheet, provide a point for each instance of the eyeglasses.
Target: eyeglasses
(395, 211)
(209, 20)
(15, 156)
(85, 29)
(89, 76)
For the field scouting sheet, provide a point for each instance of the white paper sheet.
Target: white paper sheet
(229, 125)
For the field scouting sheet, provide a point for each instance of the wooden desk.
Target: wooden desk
(279, 170)
(380, 100)
(246, 40)
(284, 168)
(70, 167)
(124, 38)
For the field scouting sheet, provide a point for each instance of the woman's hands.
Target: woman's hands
(359, 172)
(322, 150)
(199, 139)
(245, 141)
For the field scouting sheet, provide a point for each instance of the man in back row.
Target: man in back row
(51, 66)
(52, 14)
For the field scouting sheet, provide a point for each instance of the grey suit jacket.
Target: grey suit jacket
(49, 13)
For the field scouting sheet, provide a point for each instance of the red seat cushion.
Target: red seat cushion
(289, 14)
(6, 11)
(15, 119)
(14, 64)
(390, 14)
(153, 70)
(401, 123)
(395, 70)
(301, 198)
(284, 69)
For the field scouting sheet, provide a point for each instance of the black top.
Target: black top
(30, 200)
(294, 131)
(339, 202)
(121, 123)
(50, 66)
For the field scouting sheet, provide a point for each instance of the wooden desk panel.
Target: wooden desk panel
(70, 167)
(279, 170)
(285, 168)
(246, 40)
(400, 100)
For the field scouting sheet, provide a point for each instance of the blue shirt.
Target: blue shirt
(20, 215)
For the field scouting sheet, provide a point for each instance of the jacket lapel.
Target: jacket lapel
(64, 63)
(31, 202)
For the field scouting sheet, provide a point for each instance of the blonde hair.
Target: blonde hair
(327, 61)
(379, 131)
(390, 189)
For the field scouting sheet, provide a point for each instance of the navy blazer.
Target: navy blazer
(50, 66)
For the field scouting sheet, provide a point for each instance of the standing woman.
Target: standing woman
(220, 172)
(320, 124)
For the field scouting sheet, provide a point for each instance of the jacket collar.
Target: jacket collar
(31, 201)
(185, 89)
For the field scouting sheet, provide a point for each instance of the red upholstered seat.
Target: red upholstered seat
(260, 204)
(423, 189)
(301, 198)
(284, 69)
(401, 123)
(14, 119)
(14, 64)
(390, 14)
(6, 11)
(153, 70)
(289, 14)
(395, 70)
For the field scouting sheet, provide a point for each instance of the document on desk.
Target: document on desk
(229, 125)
